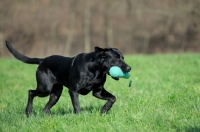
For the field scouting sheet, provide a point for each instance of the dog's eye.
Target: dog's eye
(117, 58)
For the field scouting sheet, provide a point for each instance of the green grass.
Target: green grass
(164, 96)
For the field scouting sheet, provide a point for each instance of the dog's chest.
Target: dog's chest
(95, 78)
(91, 81)
(87, 87)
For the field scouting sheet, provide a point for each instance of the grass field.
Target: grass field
(164, 96)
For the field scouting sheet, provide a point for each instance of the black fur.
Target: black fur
(81, 74)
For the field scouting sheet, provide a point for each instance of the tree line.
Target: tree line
(69, 27)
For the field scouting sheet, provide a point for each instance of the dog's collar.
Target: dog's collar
(73, 61)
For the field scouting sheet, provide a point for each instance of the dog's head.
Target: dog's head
(112, 57)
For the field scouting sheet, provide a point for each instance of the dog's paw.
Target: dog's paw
(46, 111)
(28, 112)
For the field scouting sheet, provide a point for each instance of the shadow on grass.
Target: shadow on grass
(88, 109)
(61, 111)
(193, 129)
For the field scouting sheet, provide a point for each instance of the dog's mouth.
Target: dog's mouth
(115, 78)
(125, 69)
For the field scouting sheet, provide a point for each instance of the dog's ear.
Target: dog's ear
(101, 51)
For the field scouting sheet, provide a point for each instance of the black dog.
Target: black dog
(80, 74)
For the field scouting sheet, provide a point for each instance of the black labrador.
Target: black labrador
(80, 74)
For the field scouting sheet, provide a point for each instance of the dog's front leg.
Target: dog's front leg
(103, 94)
(75, 101)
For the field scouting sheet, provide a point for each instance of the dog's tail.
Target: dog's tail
(22, 57)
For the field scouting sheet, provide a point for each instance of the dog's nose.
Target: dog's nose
(128, 68)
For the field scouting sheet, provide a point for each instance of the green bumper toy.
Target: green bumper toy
(116, 72)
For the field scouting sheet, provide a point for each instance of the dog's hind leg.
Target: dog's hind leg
(45, 83)
(31, 95)
(54, 97)
(103, 94)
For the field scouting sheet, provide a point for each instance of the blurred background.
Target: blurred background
(68, 27)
